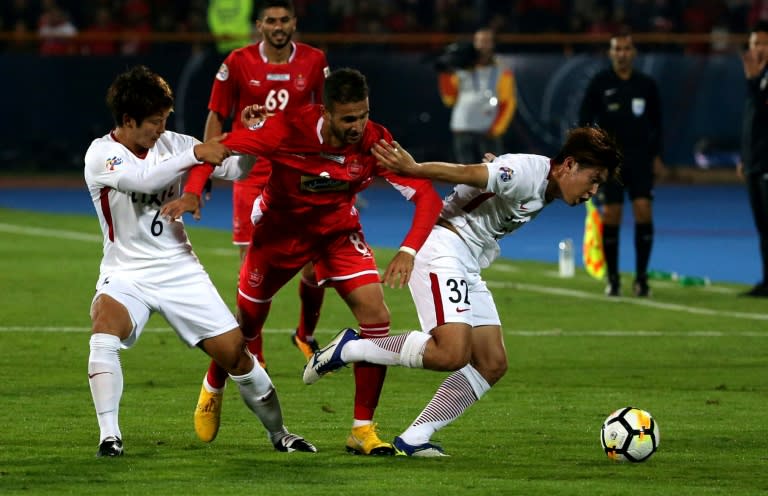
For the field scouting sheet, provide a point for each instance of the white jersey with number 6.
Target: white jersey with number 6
(128, 191)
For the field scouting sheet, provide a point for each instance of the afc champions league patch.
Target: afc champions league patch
(300, 83)
(113, 162)
(255, 278)
(505, 174)
(223, 73)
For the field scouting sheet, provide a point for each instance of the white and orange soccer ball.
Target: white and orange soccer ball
(630, 434)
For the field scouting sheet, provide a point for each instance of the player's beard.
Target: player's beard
(286, 39)
(345, 137)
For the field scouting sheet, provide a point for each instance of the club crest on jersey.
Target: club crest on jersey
(505, 174)
(638, 106)
(354, 168)
(300, 83)
(223, 73)
(113, 162)
(255, 278)
(278, 77)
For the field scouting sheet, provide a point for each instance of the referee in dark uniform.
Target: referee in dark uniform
(754, 149)
(626, 103)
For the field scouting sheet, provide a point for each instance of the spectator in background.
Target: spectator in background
(483, 96)
(135, 16)
(626, 103)
(20, 13)
(754, 149)
(56, 31)
(103, 24)
(231, 18)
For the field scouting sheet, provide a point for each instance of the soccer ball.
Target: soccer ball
(630, 434)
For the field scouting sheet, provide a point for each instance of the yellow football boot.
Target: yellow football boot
(365, 441)
(208, 415)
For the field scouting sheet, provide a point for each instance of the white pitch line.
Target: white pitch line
(523, 333)
(80, 236)
(646, 302)
(49, 233)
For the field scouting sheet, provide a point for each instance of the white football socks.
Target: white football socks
(261, 398)
(105, 376)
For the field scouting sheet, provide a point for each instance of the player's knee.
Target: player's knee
(494, 370)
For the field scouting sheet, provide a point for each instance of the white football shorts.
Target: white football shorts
(446, 285)
(184, 295)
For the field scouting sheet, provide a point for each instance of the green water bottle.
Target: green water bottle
(694, 281)
(658, 275)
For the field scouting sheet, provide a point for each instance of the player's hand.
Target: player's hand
(399, 270)
(253, 116)
(394, 157)
(660, 171)
(488, 158)
(189, 202)
(753, 65)
(212, 151)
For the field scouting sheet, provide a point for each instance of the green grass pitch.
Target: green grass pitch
(696, 358)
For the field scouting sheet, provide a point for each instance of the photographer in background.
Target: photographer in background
(481, 92)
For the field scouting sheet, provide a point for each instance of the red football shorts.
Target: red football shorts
(343, 260)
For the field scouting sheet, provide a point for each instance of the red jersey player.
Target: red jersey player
(321, 158)
(279, 75)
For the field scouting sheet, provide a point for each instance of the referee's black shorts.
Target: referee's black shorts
(636, 180)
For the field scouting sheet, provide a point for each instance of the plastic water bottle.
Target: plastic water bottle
(565, 258)
(693, 281)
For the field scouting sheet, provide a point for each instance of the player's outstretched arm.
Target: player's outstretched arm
(395, 158)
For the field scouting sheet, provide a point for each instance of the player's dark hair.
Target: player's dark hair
(138, 93)
(344, 86)
(591, 147)
(761, 26)
(268, 4)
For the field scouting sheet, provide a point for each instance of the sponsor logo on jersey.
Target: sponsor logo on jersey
(319, 184)
(505, 174)
(255, 278)
(278, 77)
(336, 158)
(254, 82)
(113, 162)
(223, 73)
(156, 199)
(638, 106)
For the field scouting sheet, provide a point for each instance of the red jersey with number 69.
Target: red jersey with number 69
(247, 77)
(313, 185)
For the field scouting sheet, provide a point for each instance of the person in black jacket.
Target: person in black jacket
(626, 103)
(754, 144)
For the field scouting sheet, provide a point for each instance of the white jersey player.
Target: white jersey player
(460, 323)
(148, 264)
